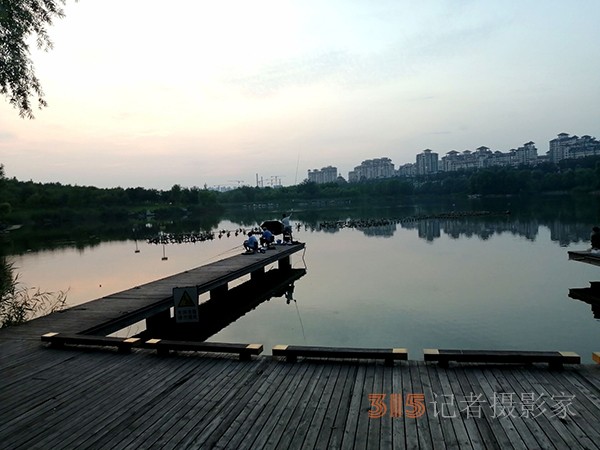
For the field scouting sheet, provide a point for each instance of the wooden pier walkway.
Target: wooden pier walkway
(97, 398)
(100, 399)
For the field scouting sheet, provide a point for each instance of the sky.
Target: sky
(152, 93)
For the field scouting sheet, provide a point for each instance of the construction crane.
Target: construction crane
(239, 182)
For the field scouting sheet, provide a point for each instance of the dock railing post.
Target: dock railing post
(158, 321)
(285, 263)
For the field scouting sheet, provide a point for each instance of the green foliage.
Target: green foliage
(20, 19)
(19, 304)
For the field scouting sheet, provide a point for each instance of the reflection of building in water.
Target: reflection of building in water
(379, 231)
(429, 229)
(566, 233)
(529, 230)
(481, 227)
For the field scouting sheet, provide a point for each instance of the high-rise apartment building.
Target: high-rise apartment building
(427, 162)
(327, 174)
(372, 169)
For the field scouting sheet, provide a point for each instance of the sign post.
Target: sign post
(186, 304)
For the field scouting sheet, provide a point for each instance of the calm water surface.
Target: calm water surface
(497, 282)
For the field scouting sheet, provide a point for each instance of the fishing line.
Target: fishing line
(300, 318)
(297, 165)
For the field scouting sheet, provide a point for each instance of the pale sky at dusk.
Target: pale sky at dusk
(148, 93)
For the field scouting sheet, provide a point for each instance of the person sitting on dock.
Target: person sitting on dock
(287, 227)
(595, 239)
(251, 244)
(267, 239)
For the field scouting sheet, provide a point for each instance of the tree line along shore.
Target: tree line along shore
(55, 204)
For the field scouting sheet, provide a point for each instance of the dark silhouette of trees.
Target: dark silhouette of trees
(20, 19)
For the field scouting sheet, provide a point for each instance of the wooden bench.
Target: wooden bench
(554, 359)
(164, 346)
(124, 345)
(389, 355)
(596, 357)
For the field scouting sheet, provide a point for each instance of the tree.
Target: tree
(19, 20)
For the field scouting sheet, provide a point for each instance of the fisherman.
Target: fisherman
(287, 227)
(251, 244)
(267, 239)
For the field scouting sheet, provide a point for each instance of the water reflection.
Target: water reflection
(483, 228)
(221, 311)
(497, 281)
(589, 295)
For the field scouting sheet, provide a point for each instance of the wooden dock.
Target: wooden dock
(585, 256)
(98, 398)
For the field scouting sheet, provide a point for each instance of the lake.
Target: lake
(493, 281)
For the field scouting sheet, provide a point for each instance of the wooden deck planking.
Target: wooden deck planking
(95, 411)
(190, 400)
(343, 410)
(521, 385)
(291, 411)
(278, 417)
(565, 427)
(436, 429)
(585, 427)
(529, 431)
(195, 424)
(169, 412)
(453, 436)
(478, 385)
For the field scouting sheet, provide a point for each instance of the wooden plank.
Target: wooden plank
(99, 425)
(163, 346)
(410, 424)
(317, 417)
(554, 358)
(474, 404)
(503, 430)
(398, 429)
(356, 395)
(124, 345)
(303, 421)
(277, 421)
(240, 415)
(50, 409)
(529, 430)
(292, 352)
(585, 418)
(295, 409)
(570, 432)
(207, 419)
(363, 420)
(373, 434)
(519, 381)
(66, 386)
(259, 429)
(453, 437)
(171, 411)
(343, 409)
(386, 440)
(476, 438)
(421, 421)
(596, 357)
(439, 439)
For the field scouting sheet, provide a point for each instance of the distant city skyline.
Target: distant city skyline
(199, 93)
(563, 146)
